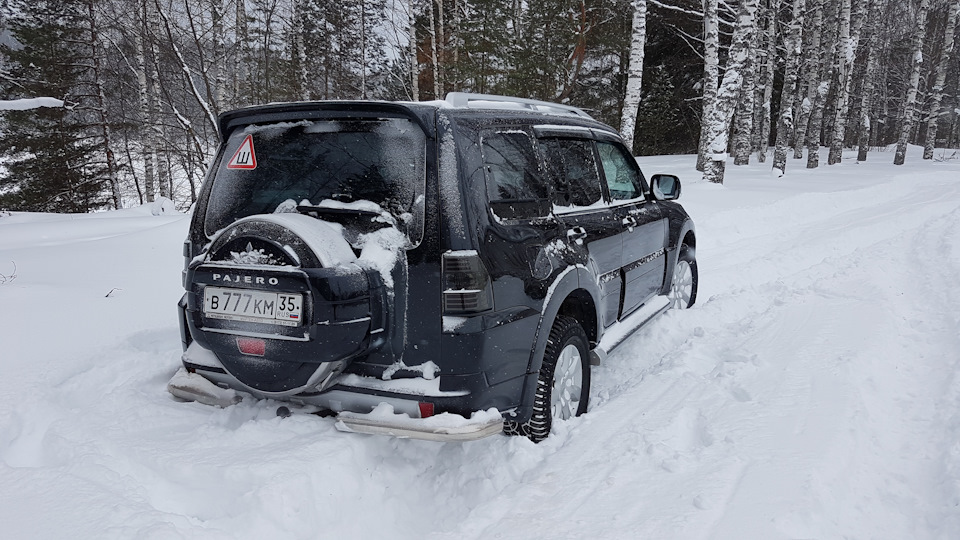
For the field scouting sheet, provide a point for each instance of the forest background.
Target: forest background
(138, 84)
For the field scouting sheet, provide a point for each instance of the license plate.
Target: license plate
(252, 306)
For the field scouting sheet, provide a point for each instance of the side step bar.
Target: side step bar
(618, 332)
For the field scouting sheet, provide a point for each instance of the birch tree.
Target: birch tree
(791, 60)
(910, 104)
(872, 32)
(846, 53)
(827, 72)
(631, 100)
(762, 141)
(434, 61)
(412, 53)
(936, 94)
(717, 118)
(711, 72)
(813, 66)
(743, 117)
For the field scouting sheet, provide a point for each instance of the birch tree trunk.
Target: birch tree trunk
(823, 89)
(433, 53)
(869, 76)
(936, 94)
(846, 54)
(743, 118)
(910, 105)
(143, 43)
(363, 49)
(813, 59)
(711, 71)
(163, 177)
(240, 61)
(217, 13)
(300, 51)
(770, 60)
(631, 100)
(718, 118)
(414, 61)
(791, 60)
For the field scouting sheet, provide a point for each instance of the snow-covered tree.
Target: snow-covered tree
(910, 104)
(871, 33)
(631, 100)
(827, 71)
(936, 94)
(768, 57)
(792, 59)
(846, 54)
(812, 66)
(53, 159)
(717, 118)
(711, 74)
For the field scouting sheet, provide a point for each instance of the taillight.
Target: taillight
(466, 283)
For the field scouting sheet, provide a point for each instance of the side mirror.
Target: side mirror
(666, 187)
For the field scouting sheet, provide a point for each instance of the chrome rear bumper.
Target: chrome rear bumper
(386, 416)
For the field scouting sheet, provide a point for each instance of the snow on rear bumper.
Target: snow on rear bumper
(384, 412)
(445, 427)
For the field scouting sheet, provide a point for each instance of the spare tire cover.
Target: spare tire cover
(292, 240)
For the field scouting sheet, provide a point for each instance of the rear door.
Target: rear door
(643, 227)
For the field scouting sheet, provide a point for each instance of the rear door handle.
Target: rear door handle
(577, 234)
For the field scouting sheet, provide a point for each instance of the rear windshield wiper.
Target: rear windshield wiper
(317, 211)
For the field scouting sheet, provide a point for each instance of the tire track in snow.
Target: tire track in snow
(743, 422)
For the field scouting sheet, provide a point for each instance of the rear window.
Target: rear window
(378, 160)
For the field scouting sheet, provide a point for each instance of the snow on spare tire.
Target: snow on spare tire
(309, 241)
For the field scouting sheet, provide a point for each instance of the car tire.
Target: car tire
(683, 286)
(563, 386)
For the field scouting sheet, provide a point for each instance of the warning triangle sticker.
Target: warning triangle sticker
(245, 157)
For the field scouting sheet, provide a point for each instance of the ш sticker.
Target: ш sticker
(245, 158)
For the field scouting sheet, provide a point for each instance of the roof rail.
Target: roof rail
(490, 101)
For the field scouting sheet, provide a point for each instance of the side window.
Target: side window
(623, 178)
(515, 182)
(573, 170)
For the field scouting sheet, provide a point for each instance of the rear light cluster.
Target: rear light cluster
(466, 284)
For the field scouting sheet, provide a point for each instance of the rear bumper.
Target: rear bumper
(446, 427)
(363, 405)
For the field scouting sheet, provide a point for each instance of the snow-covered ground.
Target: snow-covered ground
(812, 392)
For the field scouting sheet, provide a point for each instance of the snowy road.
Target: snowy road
(811, 393)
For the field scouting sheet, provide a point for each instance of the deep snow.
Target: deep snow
(812, 392)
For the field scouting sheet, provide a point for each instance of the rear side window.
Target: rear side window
(623, 178)
(515, 181)
(573, 169)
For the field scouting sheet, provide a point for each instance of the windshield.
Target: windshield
(344, 161)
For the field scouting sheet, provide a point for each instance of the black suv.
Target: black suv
(443, 270)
